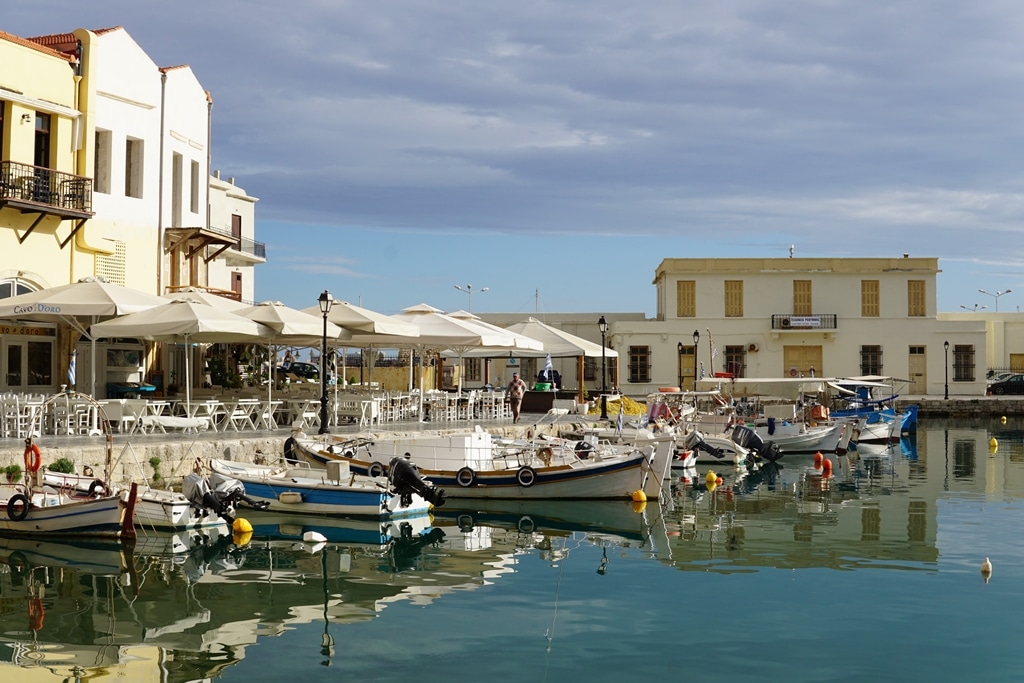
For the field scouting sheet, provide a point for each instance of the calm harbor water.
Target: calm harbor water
(873, 574)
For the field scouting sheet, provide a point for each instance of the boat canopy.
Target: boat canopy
(791, 388)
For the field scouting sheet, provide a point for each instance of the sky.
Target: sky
(555, 153)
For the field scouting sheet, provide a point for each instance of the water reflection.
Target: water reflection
(188, 606)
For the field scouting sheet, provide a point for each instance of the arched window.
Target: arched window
(13, 286)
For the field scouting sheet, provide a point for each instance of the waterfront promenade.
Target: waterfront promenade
(173, 455)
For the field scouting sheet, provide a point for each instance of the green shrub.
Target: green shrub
(62, 465)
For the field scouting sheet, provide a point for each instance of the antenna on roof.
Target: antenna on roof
(791, 247)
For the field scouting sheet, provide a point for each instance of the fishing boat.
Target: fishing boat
(154, 509)
(470, 465)
(333, 489)
(46, 511)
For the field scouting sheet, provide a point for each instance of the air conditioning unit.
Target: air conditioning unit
(752, 348)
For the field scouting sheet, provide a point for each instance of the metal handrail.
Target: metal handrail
(27, 183)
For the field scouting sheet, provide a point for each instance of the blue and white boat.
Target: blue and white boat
(873, 398)
(333, 490)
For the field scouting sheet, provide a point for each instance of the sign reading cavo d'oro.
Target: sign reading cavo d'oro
(28, 330)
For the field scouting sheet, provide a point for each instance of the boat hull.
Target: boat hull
(54, 515)
(154, 508)
(306, 492)
(595, 477)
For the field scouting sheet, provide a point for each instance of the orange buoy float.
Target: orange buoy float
(33, 457)
(817, 457)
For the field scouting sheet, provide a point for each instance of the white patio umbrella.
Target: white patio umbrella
(521, 343)
(79, 304)
(291, 326)
(372, 328)
(439, 330)
(557, 342)
(184, 321)
(204, 296)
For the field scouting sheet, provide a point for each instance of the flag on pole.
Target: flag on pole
(618, 424)
(548, 369)
(71, 368)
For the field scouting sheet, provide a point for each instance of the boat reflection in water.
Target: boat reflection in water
(853, 512)
(185, 606)
(188, 609)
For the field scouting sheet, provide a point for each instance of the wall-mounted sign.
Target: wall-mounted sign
(28, 330)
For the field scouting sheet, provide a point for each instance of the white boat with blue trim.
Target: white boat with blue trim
(333, 489)
(471, 465)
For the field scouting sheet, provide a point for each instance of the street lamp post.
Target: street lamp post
(975, 308)
(696, 341)
(945, 345)
(468, 289)
(679, 363)
(325, 308)
(602, 325)
(996, 296)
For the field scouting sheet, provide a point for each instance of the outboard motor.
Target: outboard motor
(230, 490)
(694, 441)
(202, 497)
(405, 481)
(218, 493)
(745, 437)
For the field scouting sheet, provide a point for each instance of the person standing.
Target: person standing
(516, 390)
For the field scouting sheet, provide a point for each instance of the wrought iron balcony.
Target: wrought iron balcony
(34, 189)
(244, 245)
(804, 323)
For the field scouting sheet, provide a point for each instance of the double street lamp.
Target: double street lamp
(602, 325)
(468, 289)
(325, 307)
(945, 345)
(996, 296)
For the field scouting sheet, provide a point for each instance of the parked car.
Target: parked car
(1014, 384)
(300, 371)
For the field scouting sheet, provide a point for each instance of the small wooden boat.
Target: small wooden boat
(47, 511)
(154, 509)
(332, 490)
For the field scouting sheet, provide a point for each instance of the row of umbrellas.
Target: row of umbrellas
(98, 309)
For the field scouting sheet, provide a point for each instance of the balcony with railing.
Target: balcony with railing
(805, 323)
(243, 246)
(34, 189)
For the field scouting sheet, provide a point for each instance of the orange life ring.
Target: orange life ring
(33, 458)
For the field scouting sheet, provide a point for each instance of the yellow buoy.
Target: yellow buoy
(993, 445)
(241, 526)
(1003, 419)
(639, 505)
(711, 477)
(240, 539)
(639, 496)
